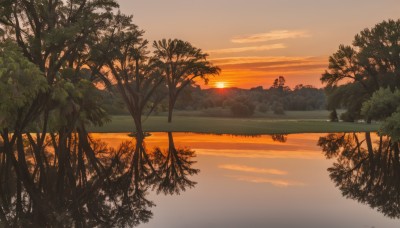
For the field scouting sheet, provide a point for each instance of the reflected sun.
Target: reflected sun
(220, 85)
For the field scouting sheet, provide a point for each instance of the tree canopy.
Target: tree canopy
(370, 63)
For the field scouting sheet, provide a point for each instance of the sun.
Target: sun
(220, 85)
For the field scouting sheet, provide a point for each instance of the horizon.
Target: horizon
(270, 39)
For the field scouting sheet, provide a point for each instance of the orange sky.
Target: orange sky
(255, 41)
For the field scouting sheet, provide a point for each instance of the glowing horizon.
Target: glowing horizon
(270, 38)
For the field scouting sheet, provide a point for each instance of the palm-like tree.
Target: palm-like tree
(181, 64)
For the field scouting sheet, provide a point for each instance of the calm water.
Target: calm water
(276, 181)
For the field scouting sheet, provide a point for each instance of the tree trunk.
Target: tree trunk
(170, 109)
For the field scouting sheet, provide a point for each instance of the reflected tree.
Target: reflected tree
(364, 170)
(174, 168)
(279, 138)
(97, 188)
(100, 186)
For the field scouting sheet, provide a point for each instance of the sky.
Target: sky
(255, 41)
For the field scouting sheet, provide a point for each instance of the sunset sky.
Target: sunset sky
(254, 41)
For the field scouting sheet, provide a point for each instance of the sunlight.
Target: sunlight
(220, 85)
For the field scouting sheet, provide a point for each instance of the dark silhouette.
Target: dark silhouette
(365, 171)
(356, 72)
(181, 63)
(90, 185)
(174, 168)
(126, 62)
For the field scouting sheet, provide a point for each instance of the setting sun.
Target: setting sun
(220, 85)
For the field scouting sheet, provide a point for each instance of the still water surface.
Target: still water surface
(276, 181)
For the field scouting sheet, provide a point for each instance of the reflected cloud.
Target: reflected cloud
(247, 49)
(270, 154)
(249, 169)
(262, 180)
(269, 36)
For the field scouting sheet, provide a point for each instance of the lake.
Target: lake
(273, 181)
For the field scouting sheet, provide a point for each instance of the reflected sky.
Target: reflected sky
(256, 182)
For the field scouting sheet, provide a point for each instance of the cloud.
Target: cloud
(247, 49)
(249, 169)
(262, 180)
(269, 36)
(266, 153)
(244, 71)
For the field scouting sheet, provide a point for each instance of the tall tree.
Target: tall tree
(370, 63)
(122, 53)
(55, 36)
(181, 64)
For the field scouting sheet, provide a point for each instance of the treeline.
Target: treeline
(240, 102)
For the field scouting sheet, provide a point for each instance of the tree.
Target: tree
(242, 107)
(123, 55)
(55, 37)
(372, 62)
(181, 64)
(20, 80)
(279, 83)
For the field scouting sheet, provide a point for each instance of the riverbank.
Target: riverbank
(233, 125)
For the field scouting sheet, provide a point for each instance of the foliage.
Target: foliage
(242, 107)
(20, 81)
(391, 127)
(371, 63)
(382, 104)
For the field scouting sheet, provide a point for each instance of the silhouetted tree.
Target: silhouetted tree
(123, 54)
(372, 62)
(181, 63)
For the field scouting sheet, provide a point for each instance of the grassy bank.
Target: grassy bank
(235, 126)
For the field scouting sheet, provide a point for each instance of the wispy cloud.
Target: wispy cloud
(247, 49)
(270, 36)
(269, 154)
(262, 180)
(249, 169)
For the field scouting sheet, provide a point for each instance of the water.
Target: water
(179, 180)
(257, 182)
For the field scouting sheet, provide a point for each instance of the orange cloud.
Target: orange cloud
(268, 154)
(269, 36)
(249, 169)
(247, 49)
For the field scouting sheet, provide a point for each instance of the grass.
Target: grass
(292, 122)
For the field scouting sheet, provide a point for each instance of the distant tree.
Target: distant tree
(181, 64)
(277, 108)
(370, 63)
(263, 108)
(242, 107)
(279, 82)
(333, 116)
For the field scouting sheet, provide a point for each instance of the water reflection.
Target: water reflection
(366, 169)
(74, 180)
(174, 167)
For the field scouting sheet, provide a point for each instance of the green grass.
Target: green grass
(292, 122)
